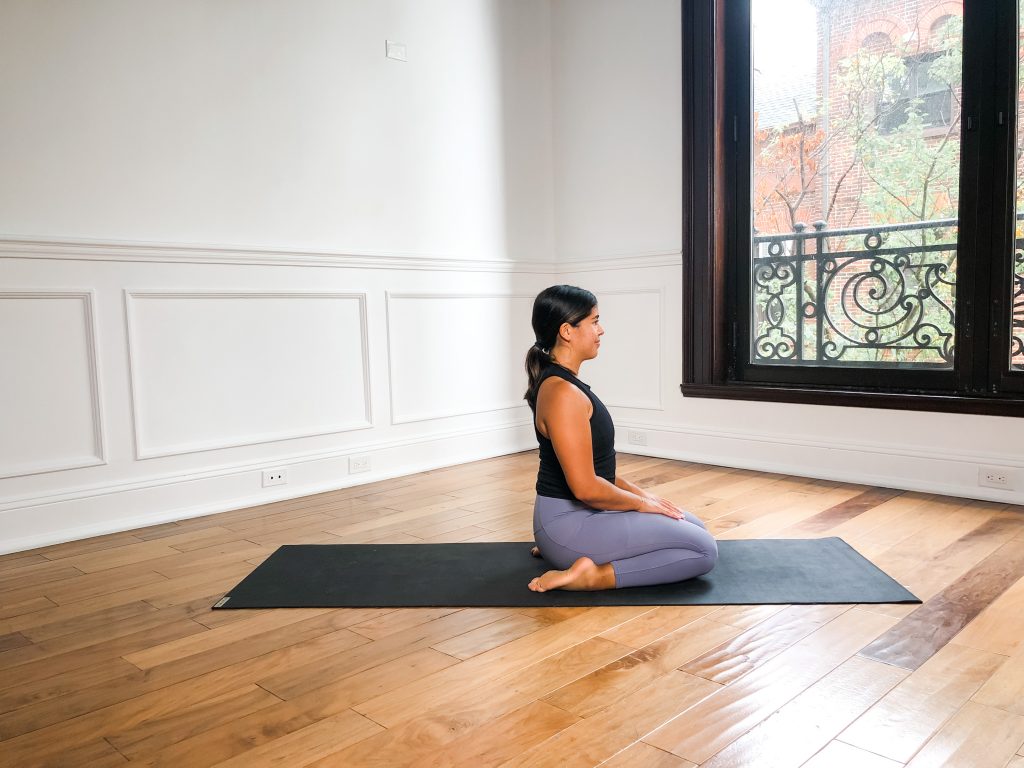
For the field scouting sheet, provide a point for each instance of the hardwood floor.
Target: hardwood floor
(110, 654)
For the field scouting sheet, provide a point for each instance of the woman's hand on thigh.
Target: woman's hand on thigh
(659, 506)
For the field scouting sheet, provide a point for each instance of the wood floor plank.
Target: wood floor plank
(152, 695)
(745, 616)
(780, 512)
(899, 524)
(1005, 688)
(235, 737)
(609, 730)
(85, 626)
(12, 640)
(840, 755)
(975, 737)
(85, 546)
(152, 736)
(492, 635)
(1000, 627)
(180, 671)
(714, 723)
(641, 755)
(903, 720)
(742, 653)
(502, 739)
(657, 623)
(54, 686)
(151, 592)
(216, 638)
(96, 752)
(117, 556)
(921, 634)
(427, 732)
(98, 584)
(39, 666)
(791, 736)
(620, 686)
(10, 610)
(929, 564)
(379, 627)
(450, 684)
(308, 745)
(846, 510)
(624, 676)
(454, 537)
(210, 556)
(19, 560)
(19, 580)
(299, 680)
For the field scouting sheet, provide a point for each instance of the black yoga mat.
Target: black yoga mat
(494, 574)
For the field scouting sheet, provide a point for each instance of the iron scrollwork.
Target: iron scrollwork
(869, 303)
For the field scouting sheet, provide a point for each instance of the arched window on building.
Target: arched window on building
(928, 85)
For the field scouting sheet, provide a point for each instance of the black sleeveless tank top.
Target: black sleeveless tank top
(550, 478)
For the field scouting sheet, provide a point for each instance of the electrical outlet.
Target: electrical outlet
(636, 437)
(358, 464)
(275, 477)
(995, 477)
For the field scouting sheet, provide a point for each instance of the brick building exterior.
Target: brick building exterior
(813, 160)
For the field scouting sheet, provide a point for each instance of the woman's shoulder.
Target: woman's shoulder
(555, 390)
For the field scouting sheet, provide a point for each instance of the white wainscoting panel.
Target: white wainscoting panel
(627, 372)
(456, 354)
(50, 414)
(220, 369)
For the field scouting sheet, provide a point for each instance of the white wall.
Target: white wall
(234, 236)
(618, 158)
(617, 191)
(274, 124)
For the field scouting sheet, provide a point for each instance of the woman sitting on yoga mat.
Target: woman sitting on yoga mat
(602, 531)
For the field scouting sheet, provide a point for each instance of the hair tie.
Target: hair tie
(540, 346)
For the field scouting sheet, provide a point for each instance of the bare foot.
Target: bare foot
(584, 574)
(535, 551)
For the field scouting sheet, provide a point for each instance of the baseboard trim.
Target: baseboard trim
(667, 436)
(498, 440)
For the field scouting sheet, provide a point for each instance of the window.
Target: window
(850, 208)
(920, 92)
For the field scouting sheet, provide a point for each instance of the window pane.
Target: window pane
(855, 183)
(1017, 284)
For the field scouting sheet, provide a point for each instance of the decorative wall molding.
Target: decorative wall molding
(99, 457)
(833, 445)
(621, 260)
(848, 472)
(137, 405)
(85, 249)
(389, 296)
(28, 247)
(13, 503)
(429, 452)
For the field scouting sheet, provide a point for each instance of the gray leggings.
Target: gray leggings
(643, 548)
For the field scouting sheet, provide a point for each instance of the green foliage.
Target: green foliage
(910, 174)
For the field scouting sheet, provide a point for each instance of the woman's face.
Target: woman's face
(587, 335)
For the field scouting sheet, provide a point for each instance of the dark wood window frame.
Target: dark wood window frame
(714, 326)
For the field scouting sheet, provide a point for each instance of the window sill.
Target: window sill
(995, 405)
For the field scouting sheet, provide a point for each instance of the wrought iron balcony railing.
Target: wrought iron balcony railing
(879, 295)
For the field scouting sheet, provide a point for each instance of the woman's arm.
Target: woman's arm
(628, 486)
(565, 412)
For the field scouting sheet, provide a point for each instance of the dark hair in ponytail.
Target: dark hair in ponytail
(552, 307)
